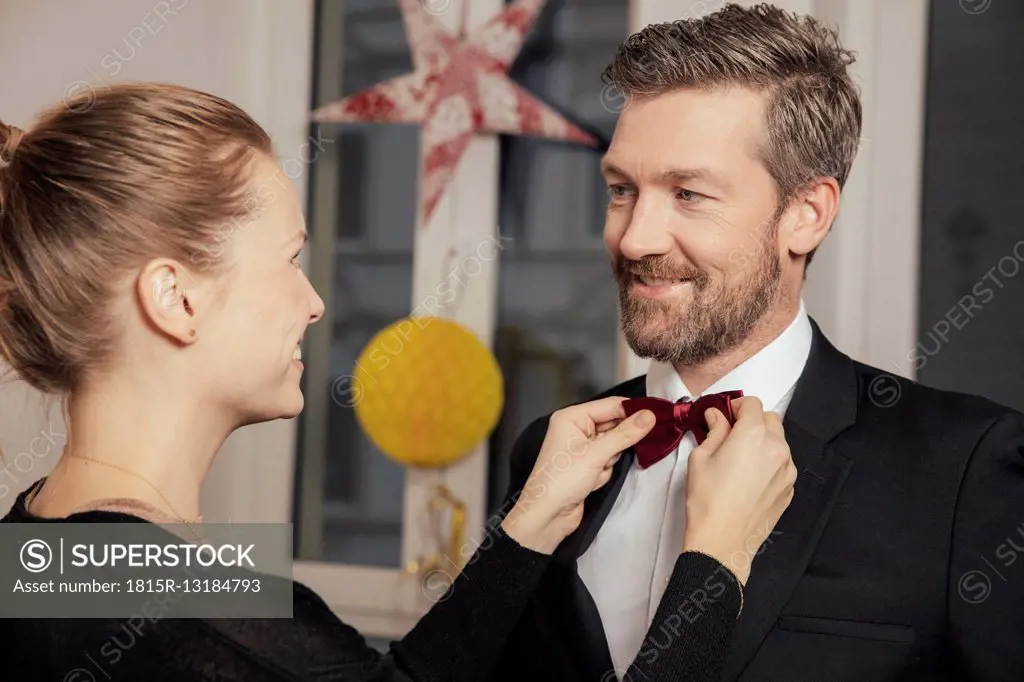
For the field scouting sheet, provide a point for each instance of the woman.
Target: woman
(149, 271)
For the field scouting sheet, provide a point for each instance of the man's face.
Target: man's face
(692, 223)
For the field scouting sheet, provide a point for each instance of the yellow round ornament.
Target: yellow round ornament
(429, 391)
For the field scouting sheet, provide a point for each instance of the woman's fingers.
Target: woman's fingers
(747, 409)
(603, 478)
(774, 424)
(595, 412)
(625, 434)
(718, 430)
(592, 435)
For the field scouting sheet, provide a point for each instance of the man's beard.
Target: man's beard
(716, 319)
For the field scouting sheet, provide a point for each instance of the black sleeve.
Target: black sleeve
(464, 634)
(690, 634)
(986, 578)
(461, 637)
(458, 640)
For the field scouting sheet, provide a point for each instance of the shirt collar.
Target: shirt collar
(770, 374)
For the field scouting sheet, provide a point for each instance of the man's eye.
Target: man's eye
(687, 196)
(618, 191)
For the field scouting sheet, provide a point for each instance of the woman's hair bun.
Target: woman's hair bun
(10, 137)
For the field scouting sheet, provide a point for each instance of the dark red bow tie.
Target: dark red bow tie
(674, 420)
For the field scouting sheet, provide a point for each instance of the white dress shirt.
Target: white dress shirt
(628, 565)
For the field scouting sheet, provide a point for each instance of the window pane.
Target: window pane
(971, 324)
(349, 496)
(557, 325)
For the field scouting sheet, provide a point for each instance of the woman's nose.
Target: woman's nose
(316, 310)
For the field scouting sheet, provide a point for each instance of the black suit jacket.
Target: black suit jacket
(901, 556)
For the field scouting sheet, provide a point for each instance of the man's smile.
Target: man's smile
(656, 287)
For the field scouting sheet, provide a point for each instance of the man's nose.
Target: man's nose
(647, 234)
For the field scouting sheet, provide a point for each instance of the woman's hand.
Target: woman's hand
(582, 444)
(739, 482)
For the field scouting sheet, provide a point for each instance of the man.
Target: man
(895, 559)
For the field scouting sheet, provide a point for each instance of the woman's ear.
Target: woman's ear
(165, 300)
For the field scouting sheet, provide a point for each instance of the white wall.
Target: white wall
(255, 53)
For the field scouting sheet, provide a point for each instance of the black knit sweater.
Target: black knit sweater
(458, 640)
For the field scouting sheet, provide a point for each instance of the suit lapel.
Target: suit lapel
(599, 503)
(784, 556)
(823, 404)
(581, 620)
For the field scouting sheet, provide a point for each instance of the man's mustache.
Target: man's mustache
(655, 268)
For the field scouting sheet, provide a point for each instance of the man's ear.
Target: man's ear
(165, 300)
(811, 214)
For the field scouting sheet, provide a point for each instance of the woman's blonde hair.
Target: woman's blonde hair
(96, 188)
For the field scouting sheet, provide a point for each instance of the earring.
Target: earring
(192, 333)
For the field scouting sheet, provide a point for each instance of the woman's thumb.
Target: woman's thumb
(718, 429)
(626, 434)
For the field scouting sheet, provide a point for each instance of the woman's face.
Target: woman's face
(261, 306)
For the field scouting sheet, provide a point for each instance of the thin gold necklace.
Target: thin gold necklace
(174, 512)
